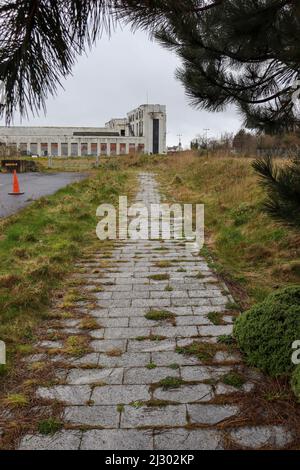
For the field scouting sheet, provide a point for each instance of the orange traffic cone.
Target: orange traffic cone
(16, 188)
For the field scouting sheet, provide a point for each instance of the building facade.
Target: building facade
(142, 131)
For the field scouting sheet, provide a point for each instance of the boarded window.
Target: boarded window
(113, 149)
(44, 149)
(131, 148)
(122, 149)
(33, 149)
(94, 149)
(64, 149)
(74, 149)
(84, 150)
(103, 149)
(54, 149)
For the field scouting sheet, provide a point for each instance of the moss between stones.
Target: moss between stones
(159, 277)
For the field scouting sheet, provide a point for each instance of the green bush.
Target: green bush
(265, 333)
(295, 382)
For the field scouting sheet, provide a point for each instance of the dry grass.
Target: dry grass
(244, 246)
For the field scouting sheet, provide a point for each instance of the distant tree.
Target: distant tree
(194, 144)
(244, 142)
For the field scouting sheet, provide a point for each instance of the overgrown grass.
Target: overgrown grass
(38, 247)
(251, 250)
(243, 245)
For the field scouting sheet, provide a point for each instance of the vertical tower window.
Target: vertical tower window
(155, 136)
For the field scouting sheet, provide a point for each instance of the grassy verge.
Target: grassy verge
(254, 254)
(38, 247)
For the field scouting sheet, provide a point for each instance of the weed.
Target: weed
(89, 324)
(16, 400)
(226, 339)
(234, 379)
(163, 264)
(151, 365)
(170, 382)
(76, 346)
(150, 338)
(232, 306)
(37, 366)
(49, 426)
(168, 288)
(137, 404)
(159, 277)
(159, 315)
(216, 318)
(203, 351)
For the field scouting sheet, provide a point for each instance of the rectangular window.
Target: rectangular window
(64, 149)
(94, 149)
(131, 148)
(141, 148)
(155, 136)
(103, 149)
(54, 149)
(74, 149)
(123, 132)
(23, 148)
(122, 149)
(113, 149)
(33, 149)
(44, 149)
(84, 150)
(141, 129)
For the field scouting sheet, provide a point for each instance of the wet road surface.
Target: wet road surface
(34, 186)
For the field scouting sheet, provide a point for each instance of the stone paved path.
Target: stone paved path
(117, 396)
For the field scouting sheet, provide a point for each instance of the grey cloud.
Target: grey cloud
(116, 76)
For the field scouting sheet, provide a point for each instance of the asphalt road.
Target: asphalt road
(34, 186)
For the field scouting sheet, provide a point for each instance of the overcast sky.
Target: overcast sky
(116, 76)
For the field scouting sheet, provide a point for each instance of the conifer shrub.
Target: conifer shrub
(282, 184)
(266, 332)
